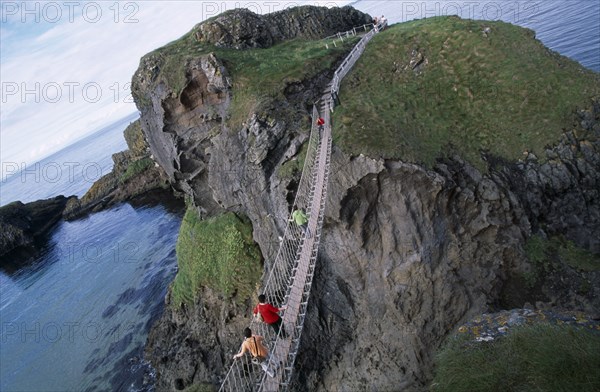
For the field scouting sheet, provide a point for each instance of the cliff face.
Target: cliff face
(407, 253)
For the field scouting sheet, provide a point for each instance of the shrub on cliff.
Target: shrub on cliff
(135, 168)
(218, 253)
(541, 357)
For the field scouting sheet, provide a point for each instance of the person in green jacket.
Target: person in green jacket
(301, 220)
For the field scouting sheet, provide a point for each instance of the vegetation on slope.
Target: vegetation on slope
(540, 357)
(556, 254)
(465, 91)
(135, 168)
(259, 75)
(218, 253)
(295, 165)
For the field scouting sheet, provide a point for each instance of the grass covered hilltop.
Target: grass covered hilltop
(427, 85)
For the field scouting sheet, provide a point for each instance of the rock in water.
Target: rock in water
(22, 224)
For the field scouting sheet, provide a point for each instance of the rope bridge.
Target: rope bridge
(289, 279)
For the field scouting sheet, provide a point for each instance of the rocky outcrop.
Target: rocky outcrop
(178, 128)
(407, 253)
(22, 225)
(561, 191)
(134, 174)
(243, 29)
(184, 115)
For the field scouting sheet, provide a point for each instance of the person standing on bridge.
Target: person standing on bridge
(270, 315)
(301, 220)
(320, 123)
(254, 345)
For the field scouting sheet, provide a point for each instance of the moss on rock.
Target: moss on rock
(218, 253)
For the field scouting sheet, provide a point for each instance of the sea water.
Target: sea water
(77, 317)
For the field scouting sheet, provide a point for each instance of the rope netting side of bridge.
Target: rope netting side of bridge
(289, 278)
(243, 374)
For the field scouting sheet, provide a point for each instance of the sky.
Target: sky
(66, 66)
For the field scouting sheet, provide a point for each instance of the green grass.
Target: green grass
(536, 249)
(544, 252)
(578, 258)
(218, 253)
(549, 254)
(530, 358)
(504, 94)
(259, 76)
(136, 168)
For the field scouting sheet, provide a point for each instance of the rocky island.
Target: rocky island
(465, 179)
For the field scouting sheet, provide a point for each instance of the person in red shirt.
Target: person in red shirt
(320, 123)
(270, 315)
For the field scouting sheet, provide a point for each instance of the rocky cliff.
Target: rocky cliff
(22, 226)
(408, 252)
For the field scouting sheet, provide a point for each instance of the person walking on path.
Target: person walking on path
(383, 22)
(301, 220)
(269, 314)
(254, 344)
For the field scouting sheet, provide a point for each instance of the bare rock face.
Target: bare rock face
(178, 128)
(407, 254)
(561, 194)
(243, 29)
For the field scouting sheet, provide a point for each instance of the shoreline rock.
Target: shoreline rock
(23, 227)
(135, 178)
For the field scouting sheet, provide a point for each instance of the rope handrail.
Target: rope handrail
(281, 272)
(353, 32)
(289, 278)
